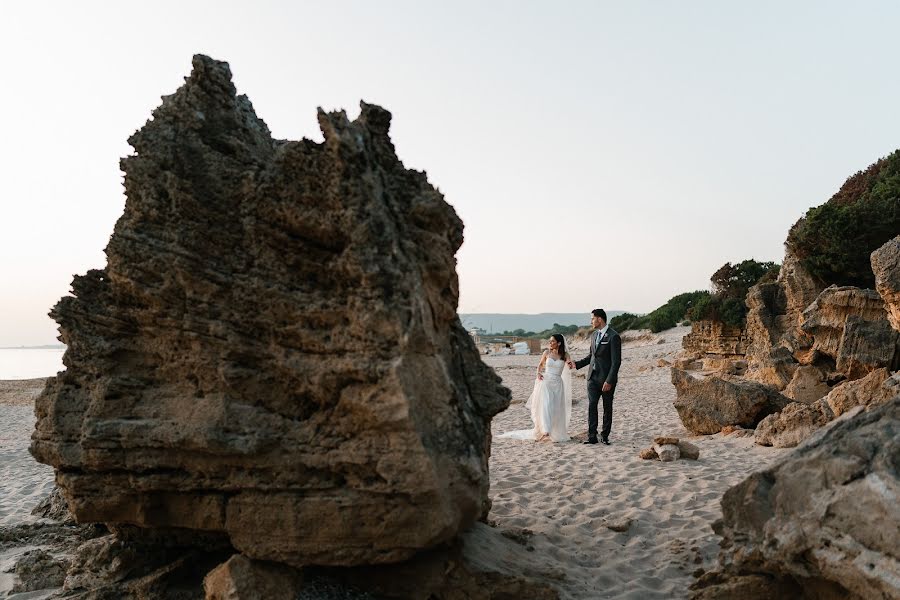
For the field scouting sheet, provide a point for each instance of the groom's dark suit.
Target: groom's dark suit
(603, 367)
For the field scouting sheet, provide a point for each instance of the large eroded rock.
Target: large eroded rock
(706, 405)
(823, 520)
(886, 266)
(849, 325)
(272, 351)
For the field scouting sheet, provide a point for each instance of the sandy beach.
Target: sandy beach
(610, 524)
(25, 482)
(601, 521)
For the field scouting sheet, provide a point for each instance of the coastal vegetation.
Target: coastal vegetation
(834, 241)
(730, 284)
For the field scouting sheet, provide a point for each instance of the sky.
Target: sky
(608, 154)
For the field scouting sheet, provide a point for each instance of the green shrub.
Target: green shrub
(623, 322)
(665, 317)
(833, 241)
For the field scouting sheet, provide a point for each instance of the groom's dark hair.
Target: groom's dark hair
(599, 312)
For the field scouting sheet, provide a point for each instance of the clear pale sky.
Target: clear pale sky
(600, 153)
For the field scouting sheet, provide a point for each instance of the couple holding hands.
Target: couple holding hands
(551, 401)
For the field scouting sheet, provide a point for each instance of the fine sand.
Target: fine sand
(610, 524)
(601, 521)
(23, 481)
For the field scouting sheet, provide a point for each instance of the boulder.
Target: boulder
(667, 452)
(649, 454)
(867, 392)
(886, 266)
(39, 570)
(241, 578)
(272, 352)
(824, 517)
(808, 384)
(706, 405)
(796, 422)
(688, 450)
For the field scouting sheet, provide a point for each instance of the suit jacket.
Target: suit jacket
(604, 362)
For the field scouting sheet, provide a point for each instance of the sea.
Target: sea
(30, 363)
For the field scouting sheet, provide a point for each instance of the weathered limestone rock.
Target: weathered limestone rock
(648, 454)
(130, 565)
(272, 351)
(849, 324)
(775, 368)
(707, 405)
(665, 439)
(796, 422)
(54, 507)
(808, 385)
(667, 452)
(715, 337)
(826, 515)
(240, 578)
(800, 290)
(886, 266)
(688, 450)
(39, 570)
(869, 391)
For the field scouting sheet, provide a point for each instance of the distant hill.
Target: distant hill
(499, 322)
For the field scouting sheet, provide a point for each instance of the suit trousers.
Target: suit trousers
(595, 393)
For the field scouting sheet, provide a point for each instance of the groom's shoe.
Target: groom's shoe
(604, 441)
(590, 441)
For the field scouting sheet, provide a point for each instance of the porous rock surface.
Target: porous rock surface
(823, 520)
(886, 266)
(272, 351)
(707, 404)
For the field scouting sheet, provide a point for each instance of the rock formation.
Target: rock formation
(849, 326)
(886, 266)
(272, 353)
(667, 449)
(707, 404)
(823, 520)
(715, 337)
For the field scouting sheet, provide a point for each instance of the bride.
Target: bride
(551, 401)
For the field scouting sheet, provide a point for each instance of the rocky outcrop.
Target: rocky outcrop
(775, 340)
(886, 266)
(715, 337)
(870, 391)
(272, 352)
(849, 326)
(823, 520)
(667, 449)
(706, 405)
(789, 427)
(808, 384)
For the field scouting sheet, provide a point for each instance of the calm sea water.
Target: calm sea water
(28, 363)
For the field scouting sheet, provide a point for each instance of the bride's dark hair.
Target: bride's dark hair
(561, 351)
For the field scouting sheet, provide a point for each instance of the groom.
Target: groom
(603, 372)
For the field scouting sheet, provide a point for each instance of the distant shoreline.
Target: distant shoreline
(46, 347)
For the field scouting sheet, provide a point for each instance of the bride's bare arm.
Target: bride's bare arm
(540, 368)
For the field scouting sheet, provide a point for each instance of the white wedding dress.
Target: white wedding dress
(550, 404)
